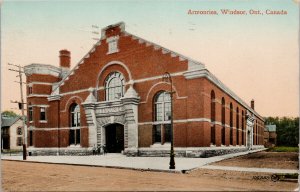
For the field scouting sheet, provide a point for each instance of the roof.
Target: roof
(209, 75)
(7, 122)
(271, 128)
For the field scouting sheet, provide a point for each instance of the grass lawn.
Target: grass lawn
(283, 149)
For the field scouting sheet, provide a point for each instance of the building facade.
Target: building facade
(115, 96)
(11, 133)
(270, 136)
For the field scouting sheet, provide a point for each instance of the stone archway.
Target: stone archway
(124, 111)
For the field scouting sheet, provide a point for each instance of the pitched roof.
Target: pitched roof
(271, 128)
(164, 50)
(7, 122)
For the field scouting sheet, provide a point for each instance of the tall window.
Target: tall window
(231, 124)
(114, 86)
(29, 90)
(43, 114)
(30, 113)
(237, 126)
(162, 126)
(212, 116)
(256, 133)
(223, 121)
(243, 127)
(30, 138)
(75, 125)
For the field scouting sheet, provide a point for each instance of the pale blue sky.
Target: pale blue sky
(258, 52)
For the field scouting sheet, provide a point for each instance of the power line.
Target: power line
(20, 71)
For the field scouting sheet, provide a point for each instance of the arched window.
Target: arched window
(223, 121)
(162, 116)
(114, 86)
(74, 137)
(237, 126)
(212, 116)
(231, 124)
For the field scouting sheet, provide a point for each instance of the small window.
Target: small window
(112, 47)
(29, 90)
(19, 131)
(30, 113)
(112, 44)
(19, 141)
(43, 114)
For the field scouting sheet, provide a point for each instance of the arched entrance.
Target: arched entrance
(114, 136)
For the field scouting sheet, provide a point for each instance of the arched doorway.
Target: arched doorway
(114, 136)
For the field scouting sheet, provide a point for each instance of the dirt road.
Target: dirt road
(276, 160)
(22, 176)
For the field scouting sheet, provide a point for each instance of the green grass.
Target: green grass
(283, 149)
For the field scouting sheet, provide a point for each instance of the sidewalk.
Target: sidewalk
(142, 163)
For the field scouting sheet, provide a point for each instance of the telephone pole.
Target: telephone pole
(21, 104)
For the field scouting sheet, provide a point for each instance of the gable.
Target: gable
(142, 58)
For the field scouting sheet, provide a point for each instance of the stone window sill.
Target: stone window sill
(74, 146)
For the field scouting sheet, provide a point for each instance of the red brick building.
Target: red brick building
(115, 96)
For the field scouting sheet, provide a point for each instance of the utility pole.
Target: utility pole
(21, 104)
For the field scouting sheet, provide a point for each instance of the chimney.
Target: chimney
(252, 104)
(64, 58)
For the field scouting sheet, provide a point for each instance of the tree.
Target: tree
(287, 130)
(9, 114)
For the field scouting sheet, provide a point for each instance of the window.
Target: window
(162, 127)
(112, 44)
(243, 126)
(19, 141)
(19, 131)
(114, 86)
(30, 138)
(29, 90)
(237, 126)
(212, 116)
(30, 111)
(231, 124)
(223, 121)
(43, 114)
(74, 136)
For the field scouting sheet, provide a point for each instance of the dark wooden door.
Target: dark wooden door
(114, 138)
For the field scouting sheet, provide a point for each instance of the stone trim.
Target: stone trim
(176, 121)
(67, 103)
(37, 95)
(127, 83)
(38, 83)
(38, 106)
(43, 69)
(56, 128)
(192, 64)
(152, 87)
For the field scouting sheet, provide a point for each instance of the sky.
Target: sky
(256, 56)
